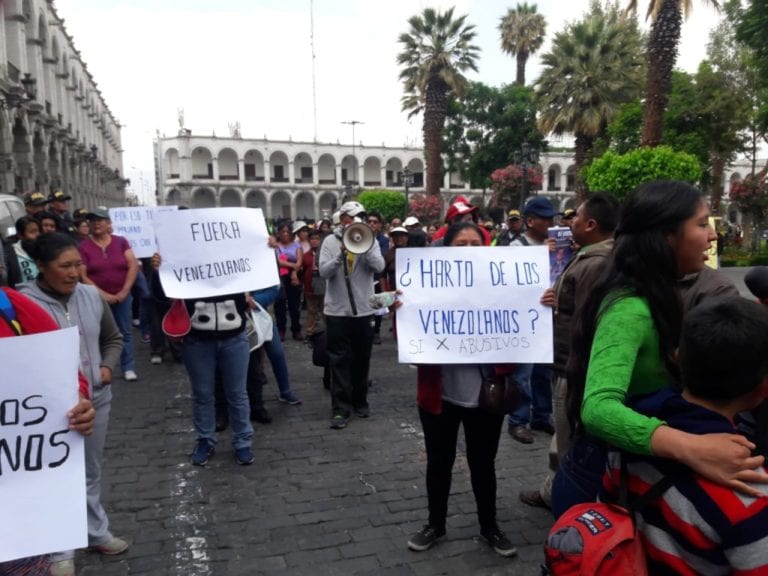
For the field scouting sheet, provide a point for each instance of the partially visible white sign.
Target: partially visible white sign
(42, 463)
(473, 305)
(214, 251)
(137, 225)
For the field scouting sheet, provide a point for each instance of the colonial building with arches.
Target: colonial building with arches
(309, 180)
(56, 130)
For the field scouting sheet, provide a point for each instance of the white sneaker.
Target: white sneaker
(135, 322)
(62, 568)
(156, 360)
(130, 376)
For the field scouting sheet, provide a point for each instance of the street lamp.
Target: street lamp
(527, 157)
(407, 177)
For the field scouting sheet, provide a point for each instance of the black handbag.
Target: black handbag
(498, 395)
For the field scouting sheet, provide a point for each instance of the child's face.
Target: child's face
(314, 241)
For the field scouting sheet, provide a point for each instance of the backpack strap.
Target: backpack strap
(636, 505)
(8, 314)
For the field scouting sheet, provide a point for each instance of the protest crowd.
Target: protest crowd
(642, 413)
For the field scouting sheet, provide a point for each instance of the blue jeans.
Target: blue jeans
(535, 384)
(122, 313)
(276, 354)
(228, 356)
(580, 476)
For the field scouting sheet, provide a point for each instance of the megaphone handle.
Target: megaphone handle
(349, 288)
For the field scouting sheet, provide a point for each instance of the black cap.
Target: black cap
(59, 196)
(35, 199)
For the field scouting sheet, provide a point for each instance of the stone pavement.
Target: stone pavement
(316, 502)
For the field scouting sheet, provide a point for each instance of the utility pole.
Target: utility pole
(353, 123)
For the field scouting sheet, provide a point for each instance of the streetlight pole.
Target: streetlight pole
(527, 157)
(407, 181)
(353, 123)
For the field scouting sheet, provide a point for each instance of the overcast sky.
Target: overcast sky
(250, 61)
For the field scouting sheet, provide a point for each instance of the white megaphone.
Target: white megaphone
(358, 238)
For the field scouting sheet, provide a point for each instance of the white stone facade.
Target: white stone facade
(307, 180)
(56, 131)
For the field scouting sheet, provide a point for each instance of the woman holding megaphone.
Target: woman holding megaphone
(348, 260)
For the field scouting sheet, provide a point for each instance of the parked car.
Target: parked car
(11, 209)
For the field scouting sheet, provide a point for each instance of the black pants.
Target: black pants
(349, 356)
(481, 434)
(290, 297)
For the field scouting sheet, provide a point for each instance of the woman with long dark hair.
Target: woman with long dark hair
(625, 342)
(289, 256)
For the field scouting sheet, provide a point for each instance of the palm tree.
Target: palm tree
(593, 67)
(667, 17)
(522, 34)
(437, 51)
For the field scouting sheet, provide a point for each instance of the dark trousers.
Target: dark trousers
(254, 385)
(290, 297)
(481, 435)
(349, 355)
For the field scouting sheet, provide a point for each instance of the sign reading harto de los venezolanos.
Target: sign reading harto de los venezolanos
(42, 461)
(473, 305)
(214, 251)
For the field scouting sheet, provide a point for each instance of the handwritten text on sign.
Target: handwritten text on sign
(42, 465)
(214, 251)
(473, 305)
(136, 224)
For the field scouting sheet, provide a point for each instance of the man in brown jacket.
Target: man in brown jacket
(593, 227)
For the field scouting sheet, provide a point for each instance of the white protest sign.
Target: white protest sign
(136, 224)
(473, 305)
(42, 462)
(214, 251)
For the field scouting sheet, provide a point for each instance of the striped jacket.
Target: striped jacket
(696, 526)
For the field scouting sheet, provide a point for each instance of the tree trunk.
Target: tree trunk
(522, 60)
(662, 54)
(716, 190)
(583, 145)
(435, 108)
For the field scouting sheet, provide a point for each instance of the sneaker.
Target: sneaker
(261, 416)
(62, 568)
(339, 421)
(376, 339)
(363, 412)
(533, 498)
(244, 456)
(130, 376)
(155, 359)
(425, 538)
(202, 453)
(113, 547)
(499, 542)
(136, 322)
(521, 434)
(145, 338)
(290, 398)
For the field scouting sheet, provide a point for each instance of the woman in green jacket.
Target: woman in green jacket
(625, 342)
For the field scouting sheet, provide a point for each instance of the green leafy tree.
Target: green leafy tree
(485, 128)
(595, 66)
(437, 52)
(522, 34)
(622, 173)
(388, 203)
(661, 53)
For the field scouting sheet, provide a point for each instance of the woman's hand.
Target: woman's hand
(81, 417)
(294, 278)
(725, 459)
(272, 242)
(106, 375)
(156, 261)
(250, 301)
(121, 296)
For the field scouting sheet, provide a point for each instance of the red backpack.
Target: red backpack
(600, 538)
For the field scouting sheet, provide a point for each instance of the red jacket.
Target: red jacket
(34, 320)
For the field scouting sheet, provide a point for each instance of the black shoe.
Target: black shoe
(425, 538)
(499, 542)
(363, 412)
(376, 339)
(221, 424)
(543, 427)
(261, 416)
(202, 452)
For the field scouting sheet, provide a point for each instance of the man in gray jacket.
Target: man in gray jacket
(349, 317)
